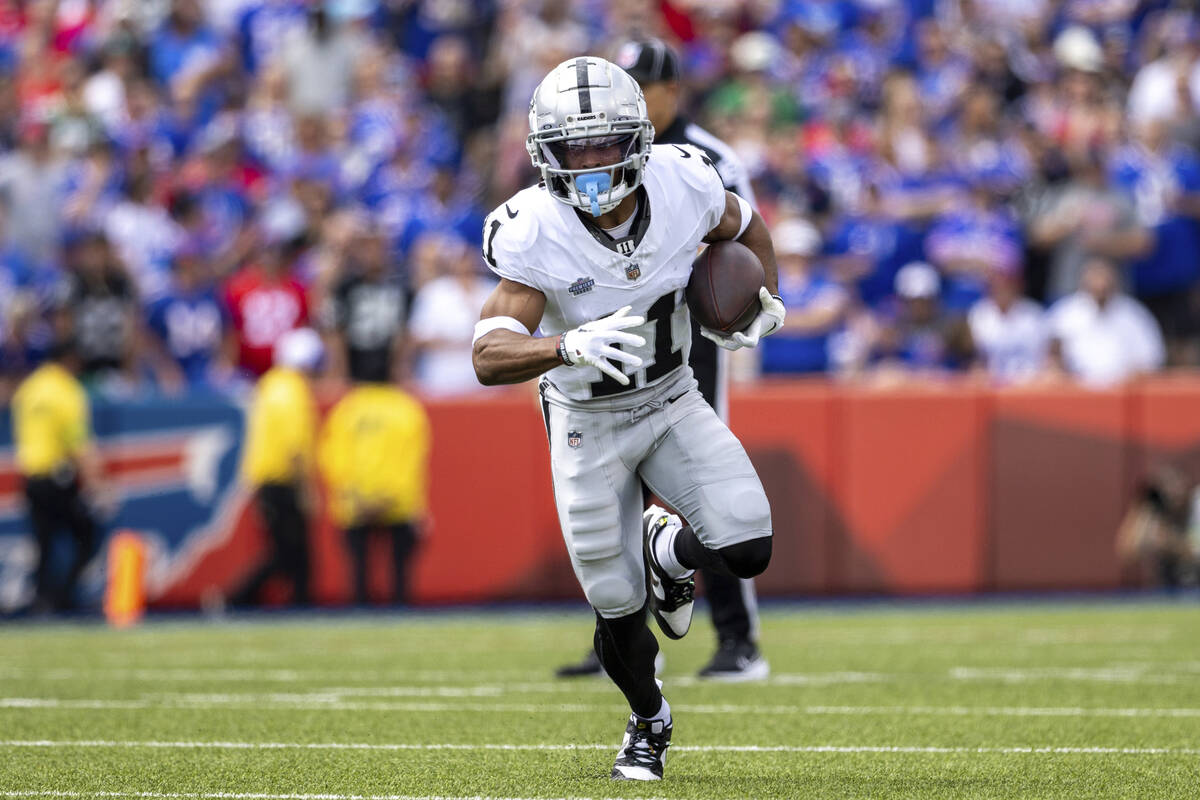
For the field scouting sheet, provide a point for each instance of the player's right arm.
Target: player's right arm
(507, 354)
(505, 350)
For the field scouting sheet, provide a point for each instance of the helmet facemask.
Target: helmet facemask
(594, 187)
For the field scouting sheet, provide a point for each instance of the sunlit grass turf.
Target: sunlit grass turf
(957, 687)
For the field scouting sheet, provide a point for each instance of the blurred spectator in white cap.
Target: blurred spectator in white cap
(1077, 48)
(816, 305)
(1008, 330)
(445, 311)
(278, 463)
(1101, 336)
(921, 336)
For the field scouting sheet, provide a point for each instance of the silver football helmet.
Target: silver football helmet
(587, 103)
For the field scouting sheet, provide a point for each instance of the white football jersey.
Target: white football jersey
(540, 242)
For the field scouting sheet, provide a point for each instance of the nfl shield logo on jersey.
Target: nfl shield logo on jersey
(574, 438)
(633, 272)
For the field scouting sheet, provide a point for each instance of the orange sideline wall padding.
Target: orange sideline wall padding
(933, 490)
(788, 431)
(494, 531)
(947, 489)
(1059, 483)
(911, 490)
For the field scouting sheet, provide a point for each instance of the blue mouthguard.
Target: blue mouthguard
(594, 183)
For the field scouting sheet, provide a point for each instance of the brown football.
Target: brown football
(722, 293)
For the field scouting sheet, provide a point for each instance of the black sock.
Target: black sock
(741, 560)
(626, 648)
(693, 555)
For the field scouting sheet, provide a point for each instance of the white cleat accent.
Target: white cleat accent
(671, 600)
(643, 751)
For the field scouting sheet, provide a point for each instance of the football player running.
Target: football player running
(732, 603)
(597, 256)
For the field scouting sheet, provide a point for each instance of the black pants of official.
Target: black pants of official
(403, 538)
(53, 508)
(287, 529)
(727, 597)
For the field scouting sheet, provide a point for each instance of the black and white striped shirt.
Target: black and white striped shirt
(733, 173)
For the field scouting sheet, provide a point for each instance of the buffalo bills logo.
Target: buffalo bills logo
(174, 466)
(574, 438)
(633, 272)
(581, 286)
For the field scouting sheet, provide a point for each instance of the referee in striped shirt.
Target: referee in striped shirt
(732, 601)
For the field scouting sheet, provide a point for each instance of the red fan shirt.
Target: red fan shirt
(263, 308)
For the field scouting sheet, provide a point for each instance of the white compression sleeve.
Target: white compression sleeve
(486, 326)
(747, 215)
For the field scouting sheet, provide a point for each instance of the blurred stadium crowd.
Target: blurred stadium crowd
(1007, 188)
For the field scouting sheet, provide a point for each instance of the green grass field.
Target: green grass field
(1049, 700)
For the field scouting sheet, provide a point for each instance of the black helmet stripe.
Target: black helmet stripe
(581, 80)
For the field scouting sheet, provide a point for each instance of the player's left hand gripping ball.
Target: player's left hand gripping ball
(592, 344)
(769, 319)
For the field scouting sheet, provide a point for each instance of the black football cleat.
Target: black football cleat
(737, 660)
(643, 750)
(671, 600)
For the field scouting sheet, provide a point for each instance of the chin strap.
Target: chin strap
(593, 183)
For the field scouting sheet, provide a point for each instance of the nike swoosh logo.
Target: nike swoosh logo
(511, 214)
(686, 154)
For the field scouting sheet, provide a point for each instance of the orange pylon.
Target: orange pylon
(125, 593)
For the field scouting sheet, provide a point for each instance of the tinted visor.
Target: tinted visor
(577, 150)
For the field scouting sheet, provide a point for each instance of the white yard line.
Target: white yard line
(264, 796)
(799, 679)
(1112, 674)
(466, 682)
(327, 695)
(265, 675)
(262, 703)
(1002, 711)
(954, 636)
(319, 702)
(822, 748)
(463, 678)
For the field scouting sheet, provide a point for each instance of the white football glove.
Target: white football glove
(591, 344)
(769, 319)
